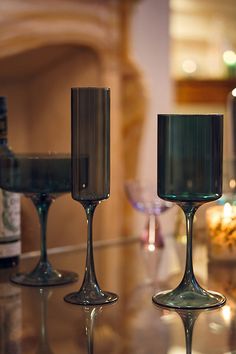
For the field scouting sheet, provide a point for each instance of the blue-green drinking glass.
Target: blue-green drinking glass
(90, 130)
(190, 153)
(42, 178)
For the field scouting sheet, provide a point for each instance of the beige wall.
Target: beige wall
(39, 81)
(39, 121)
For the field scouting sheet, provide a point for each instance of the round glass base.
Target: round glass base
(187, 299)
(91, 299)
(54, 277)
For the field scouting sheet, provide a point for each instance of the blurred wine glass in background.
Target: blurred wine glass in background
(142, 196)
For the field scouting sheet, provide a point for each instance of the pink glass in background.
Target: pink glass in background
(143, 197)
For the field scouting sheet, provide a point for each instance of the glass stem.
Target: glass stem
(189, 280)
(90, 276)
(42, 203)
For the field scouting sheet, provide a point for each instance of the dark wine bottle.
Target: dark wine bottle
(10, 244)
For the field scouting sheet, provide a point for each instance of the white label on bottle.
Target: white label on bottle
(10, 249)
(10, 214)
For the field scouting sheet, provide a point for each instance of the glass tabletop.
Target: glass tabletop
(38, 320)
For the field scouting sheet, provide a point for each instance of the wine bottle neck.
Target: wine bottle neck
(3, 141)
(3, 121)
(3, 128)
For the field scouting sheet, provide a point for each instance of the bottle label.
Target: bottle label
(10, 216)
(10, 249)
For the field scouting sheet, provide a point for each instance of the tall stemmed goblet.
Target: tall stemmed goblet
(189, 174)
(90, 175)
(42, 178)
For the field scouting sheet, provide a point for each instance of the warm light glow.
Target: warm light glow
(226, 313)
(189, 66)
(151, 247)
(215, 217)
(177, 350)
(232, 183)
(234, 92)
(221, 221)
(227, 213)
(229, 57)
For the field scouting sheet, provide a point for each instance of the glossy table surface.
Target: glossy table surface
(38, 320)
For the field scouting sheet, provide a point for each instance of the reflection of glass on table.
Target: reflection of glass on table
(90, 315)
(43, 344)
(189, 318)
(132, 325)
(42, 178)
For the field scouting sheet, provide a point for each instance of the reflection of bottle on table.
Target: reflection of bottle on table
(10, 246)
(10, 315)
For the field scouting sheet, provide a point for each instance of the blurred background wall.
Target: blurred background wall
(157, 56)
(45, 49)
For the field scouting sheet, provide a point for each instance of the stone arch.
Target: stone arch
(93, 26)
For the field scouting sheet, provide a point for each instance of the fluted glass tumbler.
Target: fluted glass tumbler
(90, 108)
(190, 149)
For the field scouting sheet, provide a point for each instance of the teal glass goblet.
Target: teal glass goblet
(190, 152)
(42, 178)
(90, 108)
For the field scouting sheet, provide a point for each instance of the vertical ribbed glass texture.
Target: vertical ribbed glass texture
(90, 108)
(90, 176)
(190, 149)
(190, 152)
